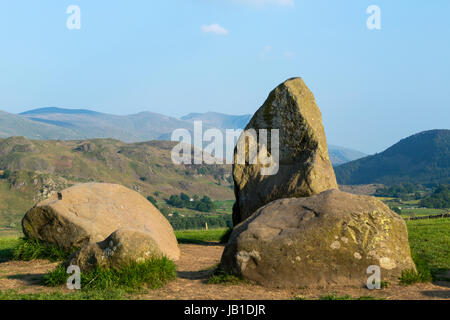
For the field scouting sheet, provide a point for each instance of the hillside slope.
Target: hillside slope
(31, 170)
(15, 125)
(423, 158)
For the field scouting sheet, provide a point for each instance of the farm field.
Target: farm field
(417, 212)
(430, 245)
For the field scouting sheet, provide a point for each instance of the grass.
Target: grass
(33, 249)
(409, 277)
(224, 206)
(221, 277)
(153, 273)
(8, 246)
(200, 236)
(334, 296)
(430, 249)
(417, 212)
(115, 294)
(13, 204)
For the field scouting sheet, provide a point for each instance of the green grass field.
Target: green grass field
(417, 212)
(200, 236)
(110, 294)
(430, 244)
(224, 206)
(8, 247)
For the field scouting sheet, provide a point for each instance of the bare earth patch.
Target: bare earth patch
(25, 276)
(196, 264)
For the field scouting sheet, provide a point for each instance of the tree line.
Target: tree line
(204, 204)
(439, 199)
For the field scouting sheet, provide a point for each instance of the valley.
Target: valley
(31, 170)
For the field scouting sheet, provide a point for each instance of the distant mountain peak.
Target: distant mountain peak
(219, 120)
(49, 110)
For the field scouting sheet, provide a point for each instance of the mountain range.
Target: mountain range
(75, 124)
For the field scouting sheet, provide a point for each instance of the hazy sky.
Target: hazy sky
(374, 87)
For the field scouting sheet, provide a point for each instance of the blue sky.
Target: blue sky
(374, 87)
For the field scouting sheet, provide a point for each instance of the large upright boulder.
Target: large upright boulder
(330, 239)
(91, 212)
(304, 165)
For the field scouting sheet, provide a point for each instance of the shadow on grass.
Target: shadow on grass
(32, 279)
(182, 240)
(8, 247)
(195, 275)
(442, 275)
(6, 255)
(440, 294)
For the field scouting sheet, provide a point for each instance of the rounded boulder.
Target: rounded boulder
(89, 213)
(330, 239)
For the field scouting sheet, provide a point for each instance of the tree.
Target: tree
(153, 201)
(184, 197)
(397, 210)
(439, 199)
(175, 201)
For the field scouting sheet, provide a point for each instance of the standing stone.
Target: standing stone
(304, 165)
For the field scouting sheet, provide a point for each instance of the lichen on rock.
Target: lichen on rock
(304, 165)
(328, 239)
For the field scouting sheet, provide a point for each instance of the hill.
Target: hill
(423, 158)
(30, 170)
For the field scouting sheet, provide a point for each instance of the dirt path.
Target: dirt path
(194, 268)
(25, 276)
(196, 265)
(192, 275)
